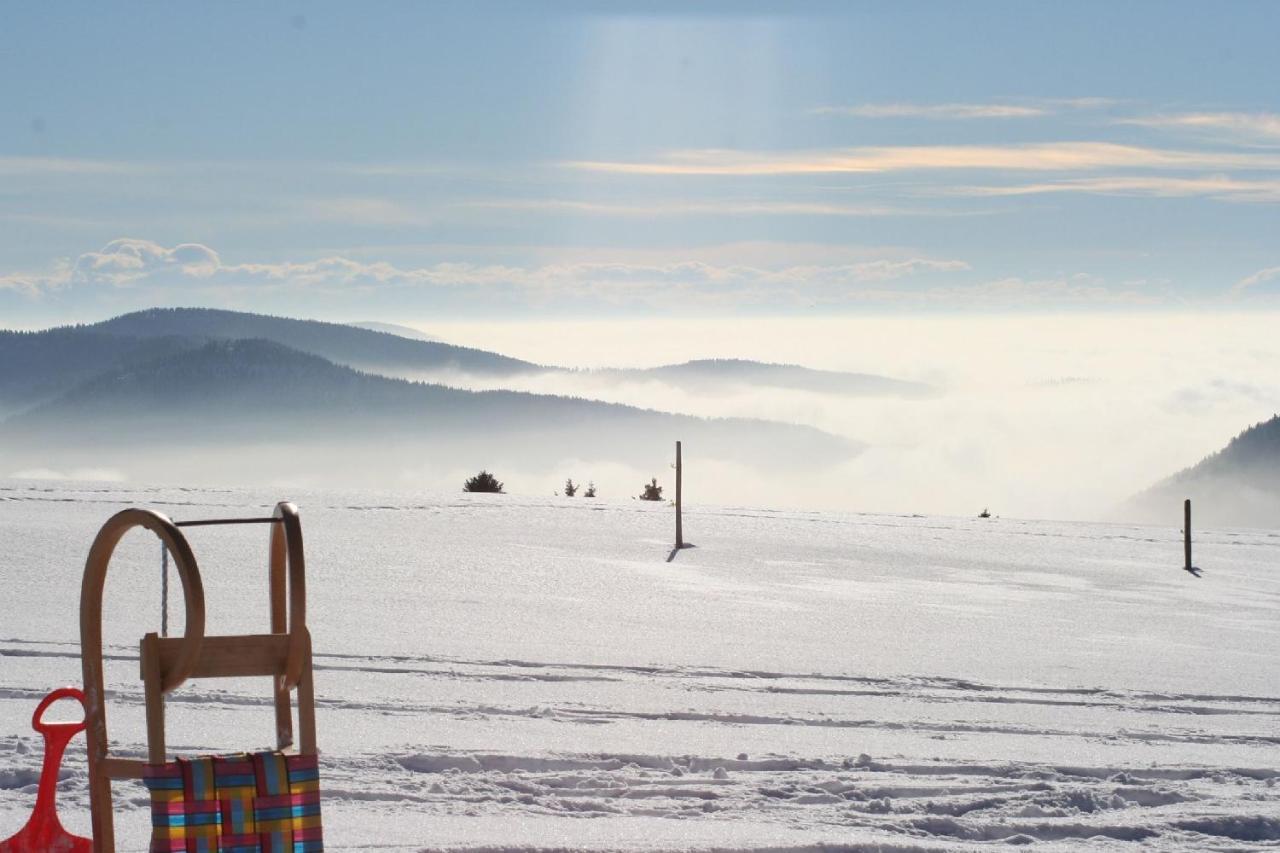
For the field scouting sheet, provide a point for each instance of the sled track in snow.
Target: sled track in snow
(834, 761)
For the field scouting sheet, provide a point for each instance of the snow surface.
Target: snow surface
(511, 673)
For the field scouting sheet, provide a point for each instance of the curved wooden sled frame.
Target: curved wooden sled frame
(284, 654)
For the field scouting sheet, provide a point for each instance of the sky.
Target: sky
(451, 162)
(1062, 216)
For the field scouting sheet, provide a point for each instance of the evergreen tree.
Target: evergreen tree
(483, 482)
(570, 488)
(591, 491)
(652, 491)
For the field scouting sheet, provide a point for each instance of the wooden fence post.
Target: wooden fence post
(1186, 531)
(679, 486)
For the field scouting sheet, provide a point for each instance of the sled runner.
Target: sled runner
(266, 801)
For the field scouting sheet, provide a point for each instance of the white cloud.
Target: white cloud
(1078, 289)
(1260, 126)
(1013, 108)
(142, 265)
(65, 166)
(1260, 277)
(1083, 103)
(155, 273)
(26, 285)
(699, 208)
(936, 111)
(1049, 157)
(1219, 187)
(385, 212)
(126, 260)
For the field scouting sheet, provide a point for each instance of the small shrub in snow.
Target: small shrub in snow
(652, 491)
(483, 482)
(591, 491)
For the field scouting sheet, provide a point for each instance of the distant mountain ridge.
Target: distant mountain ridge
(38, 365)
(711, 372)
(162, 390)
(396, 329)
(249, 410)
(251, 380)
(725, 374)
(343, 344)
(1238, 485)
(403, 352)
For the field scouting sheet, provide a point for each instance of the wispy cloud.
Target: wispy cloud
(1257, 126)
(1058, 156)
(26, 285)
(935, 111)
(1081, 289)
(1011, 108)
(1083, 103)
(1218, 187)
(51, 220)
(700, 208)
(19, 166)
(154, 273)
(1253, 281)
(146, 267)
(395, 169)
(365, 211)
(141, 272)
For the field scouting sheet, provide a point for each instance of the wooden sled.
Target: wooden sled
(284, 653)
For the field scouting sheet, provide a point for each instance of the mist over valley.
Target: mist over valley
(938, 420)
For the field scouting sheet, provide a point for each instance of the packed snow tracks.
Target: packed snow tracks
(433, 753)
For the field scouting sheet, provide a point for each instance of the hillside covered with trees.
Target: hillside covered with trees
(249, 410)
(1237, 485)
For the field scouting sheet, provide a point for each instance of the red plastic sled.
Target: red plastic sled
(43, 832)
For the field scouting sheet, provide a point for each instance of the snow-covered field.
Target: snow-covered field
(517, 673)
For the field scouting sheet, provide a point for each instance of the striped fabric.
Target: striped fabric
(266, 802)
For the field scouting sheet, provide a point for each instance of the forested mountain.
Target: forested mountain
(254, 408)
(169, 392)
(342, 344)
(404, 352)
(722, 375)
(1238, 485)
(710, 374)
(36, 366)
(396, 329)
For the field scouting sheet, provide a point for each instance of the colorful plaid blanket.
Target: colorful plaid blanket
(266, 802)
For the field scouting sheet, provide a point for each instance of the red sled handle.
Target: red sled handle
(61, 730)
(43, 832)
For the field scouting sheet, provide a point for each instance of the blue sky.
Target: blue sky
(419, 161)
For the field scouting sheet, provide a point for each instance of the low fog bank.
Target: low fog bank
(720, 469)
(249, 412)
(443, 468)
(1216, 502)
(1056, 417)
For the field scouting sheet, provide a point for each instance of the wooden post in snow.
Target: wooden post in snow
(679, 519)
(1186, 531)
